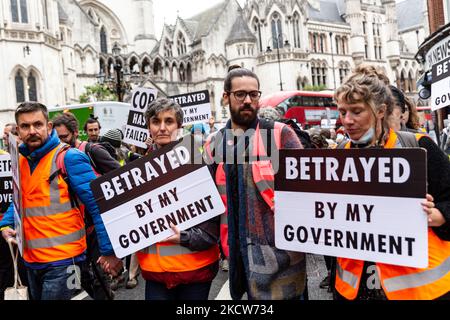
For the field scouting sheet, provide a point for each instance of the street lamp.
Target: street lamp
(332, 60)
(120, 83)
(118, 69)
(269, 50)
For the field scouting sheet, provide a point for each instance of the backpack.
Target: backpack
(407, 139)
(304, 137)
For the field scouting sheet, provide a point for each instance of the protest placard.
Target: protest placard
(136, 130)
(6, 186)
(17, 194)
(140, 201)
(196, 107)
(359, 204)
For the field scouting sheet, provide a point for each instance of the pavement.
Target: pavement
(316, 271)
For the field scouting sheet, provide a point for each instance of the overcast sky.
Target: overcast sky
(167, 9)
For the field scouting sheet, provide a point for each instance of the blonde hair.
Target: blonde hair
(368, 85)
(413, 121)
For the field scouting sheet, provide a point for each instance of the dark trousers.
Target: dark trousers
(94, 280)
(191, 292)
(54, 283)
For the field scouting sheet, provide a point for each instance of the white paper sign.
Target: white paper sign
(196, 107)
(136, 130)
(140, 201)
(362, 204)
(387, 230)
(17, 193)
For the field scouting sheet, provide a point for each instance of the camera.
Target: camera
(424, 85)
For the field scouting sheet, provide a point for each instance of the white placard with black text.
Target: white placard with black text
(136, 130)
(360, 204)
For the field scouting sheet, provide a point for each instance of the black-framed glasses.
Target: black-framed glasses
(241, 95)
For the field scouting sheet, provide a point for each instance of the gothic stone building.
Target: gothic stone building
(52, 49)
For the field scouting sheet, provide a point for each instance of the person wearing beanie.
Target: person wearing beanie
(113, 137)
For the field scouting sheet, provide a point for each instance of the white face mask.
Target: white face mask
(366, 138)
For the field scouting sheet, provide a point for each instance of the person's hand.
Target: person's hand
(9, 235)
(149, 141)
(176, 238)
(435, 217)
(110, 264)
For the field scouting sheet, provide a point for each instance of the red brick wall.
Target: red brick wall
(436, 14)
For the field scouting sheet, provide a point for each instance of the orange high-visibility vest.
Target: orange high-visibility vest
(170, 257)
(263, 177)
(53, 230)
(401, 283)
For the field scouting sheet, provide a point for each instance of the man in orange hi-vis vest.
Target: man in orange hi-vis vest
(54, 234)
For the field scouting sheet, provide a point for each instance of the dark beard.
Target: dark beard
(243, 121)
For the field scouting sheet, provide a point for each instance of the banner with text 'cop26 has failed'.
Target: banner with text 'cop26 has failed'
(357, 204)
(139, 202)
(136, 130)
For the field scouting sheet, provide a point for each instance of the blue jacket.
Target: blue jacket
(80, 175)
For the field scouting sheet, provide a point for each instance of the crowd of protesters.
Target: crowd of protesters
(60, 234)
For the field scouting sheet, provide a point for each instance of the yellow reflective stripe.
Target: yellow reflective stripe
(265, 185)
(347, 277)
(55, 206)
(56, 241)
(53, 209)
(175, 250)
(415, 280)
(222, 189)
(149, 250)
(224, 219)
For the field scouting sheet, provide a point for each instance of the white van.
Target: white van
(111, 114)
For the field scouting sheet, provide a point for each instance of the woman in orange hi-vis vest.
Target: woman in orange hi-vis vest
(183, 266)
(365, 103)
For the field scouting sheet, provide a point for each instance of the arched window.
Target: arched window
(20, 87)
(32, 89)
(344, 70)
(277, 31)
(45, 9)
(314, 42)
(19, 11)
(103, 41)
(344, 45)
(403, 84)
(181, 73)
(324, 71)
(337, 44)
(322, 43)
(157, 68)
(257, 29)
(313, 74)
(189, 73)
(168, 49)
(296, 27)
(181, 44)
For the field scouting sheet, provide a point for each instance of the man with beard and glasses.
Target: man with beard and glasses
(243, 158)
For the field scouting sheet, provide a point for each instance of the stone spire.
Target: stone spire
(393, 43)
(354, 17)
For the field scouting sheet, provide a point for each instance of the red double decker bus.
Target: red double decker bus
(308, 108)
